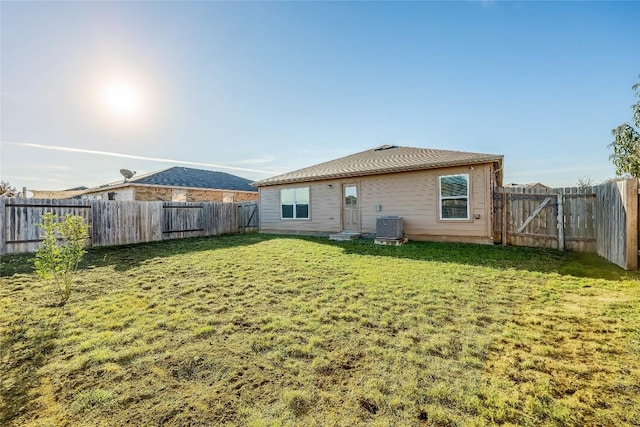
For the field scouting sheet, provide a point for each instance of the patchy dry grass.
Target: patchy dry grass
(267, 331)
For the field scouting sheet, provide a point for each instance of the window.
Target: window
(454, 197)
(178, 195)
(294, 203)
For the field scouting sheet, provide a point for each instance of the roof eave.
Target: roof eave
(440, 165)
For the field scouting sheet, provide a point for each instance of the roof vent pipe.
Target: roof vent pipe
(385, 147)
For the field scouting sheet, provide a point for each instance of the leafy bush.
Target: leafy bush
(61, 250)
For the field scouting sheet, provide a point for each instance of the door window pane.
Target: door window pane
(351, 196)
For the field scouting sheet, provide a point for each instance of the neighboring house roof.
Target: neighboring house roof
(528, 185)
(179, 176)
(385, 159)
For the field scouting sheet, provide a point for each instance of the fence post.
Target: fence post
(630, 198)
(92, 217)
(560, 220)
(3, 226)
(504, 217)
(241, 207)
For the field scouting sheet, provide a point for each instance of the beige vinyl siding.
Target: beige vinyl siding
(412, 195)
(324, 209)
(415, 197)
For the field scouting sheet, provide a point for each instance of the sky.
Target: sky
(261, 88)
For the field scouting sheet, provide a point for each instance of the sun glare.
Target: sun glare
(122, 99)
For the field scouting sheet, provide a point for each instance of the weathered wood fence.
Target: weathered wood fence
(119, 223)
(561, 218)
(617, 225)
(602, 219)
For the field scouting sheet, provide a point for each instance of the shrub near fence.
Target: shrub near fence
(120, 222)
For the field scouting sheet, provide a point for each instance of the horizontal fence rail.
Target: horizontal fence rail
(123, 222)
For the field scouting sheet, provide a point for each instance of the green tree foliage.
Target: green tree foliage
(626, 145)
(61, 250)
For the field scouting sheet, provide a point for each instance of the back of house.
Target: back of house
(441, 195)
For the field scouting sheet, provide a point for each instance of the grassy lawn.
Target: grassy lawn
(270, 331)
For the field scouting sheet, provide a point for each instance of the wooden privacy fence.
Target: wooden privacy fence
(119, 222)
(561, 218)
(600, 219)
(617, 225)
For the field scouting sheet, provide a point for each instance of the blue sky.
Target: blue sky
(259, 88)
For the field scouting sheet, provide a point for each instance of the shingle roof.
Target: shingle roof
(179, 176)
(385, 159)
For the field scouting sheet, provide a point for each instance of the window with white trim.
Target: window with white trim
(294, 203)
(454, 197)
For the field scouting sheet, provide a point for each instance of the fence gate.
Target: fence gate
(526, 219)
(182, 220)
(248, 216)
(558, 218)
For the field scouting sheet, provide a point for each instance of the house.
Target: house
(178, 184)
(61, 194)
(441, 195)
(530, 186)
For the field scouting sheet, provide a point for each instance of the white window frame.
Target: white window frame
(295, 204)
(466, 197)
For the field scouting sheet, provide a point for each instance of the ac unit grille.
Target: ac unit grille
(389, 227)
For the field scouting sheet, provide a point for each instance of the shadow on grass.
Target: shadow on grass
(129, 256)
(541, 260)
(499, 257)
(24, 347)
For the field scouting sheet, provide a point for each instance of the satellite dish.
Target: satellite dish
(127, 174)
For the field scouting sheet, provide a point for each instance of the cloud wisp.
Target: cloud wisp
(134, 157)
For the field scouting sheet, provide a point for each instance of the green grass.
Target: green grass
(261, 330)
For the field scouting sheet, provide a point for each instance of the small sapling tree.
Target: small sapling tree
(61, 250)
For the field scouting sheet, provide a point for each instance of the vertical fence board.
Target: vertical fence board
(561, 220)
(631, 209)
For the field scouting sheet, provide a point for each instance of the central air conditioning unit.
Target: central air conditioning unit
(389, 227)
